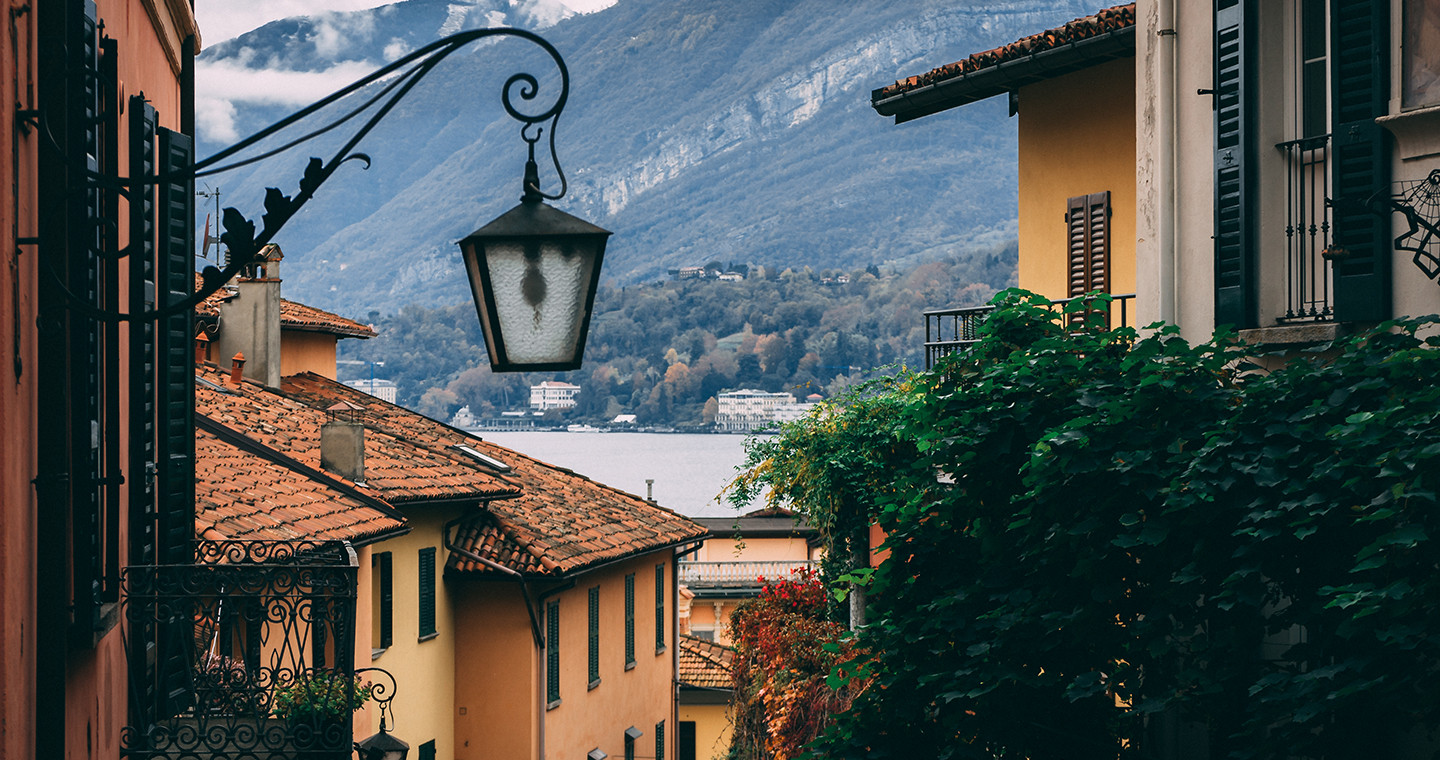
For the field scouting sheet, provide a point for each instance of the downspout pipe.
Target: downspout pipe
(518, 576)
(1165, 117)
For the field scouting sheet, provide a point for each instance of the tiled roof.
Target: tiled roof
(1083, 42)
(240, 494)
(293, 316)
(397, 471)
(560, 523)
(705, 664)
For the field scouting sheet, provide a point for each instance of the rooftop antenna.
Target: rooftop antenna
(209, 239)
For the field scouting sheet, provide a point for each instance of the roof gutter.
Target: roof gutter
(517, 575)
(1008, 76)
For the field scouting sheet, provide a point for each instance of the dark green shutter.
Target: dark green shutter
(175, 278)
(660, 740)
(630, 620)
(594, 635)
(1235, 197)
(143, 540)
(427, 750)
(387, 600)
(552, 651)
(1359, 80)
(427, 592)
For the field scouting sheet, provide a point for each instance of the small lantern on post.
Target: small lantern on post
(534, 272)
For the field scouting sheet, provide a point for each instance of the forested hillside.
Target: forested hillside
(663, 350)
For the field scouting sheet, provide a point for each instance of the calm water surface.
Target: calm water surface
(689, 470)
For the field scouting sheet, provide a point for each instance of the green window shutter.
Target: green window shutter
(630, 620)
(1359, 80)
(427, 592)
(1235, 197)
(552, 651)
(660, 608)
(427, 750)
(387, 599)
(660, 740)
(594, 636)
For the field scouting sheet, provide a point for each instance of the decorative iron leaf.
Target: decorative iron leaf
(239, 235)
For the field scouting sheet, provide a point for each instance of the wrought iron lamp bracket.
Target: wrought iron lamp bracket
(240, 234)
(382, 692)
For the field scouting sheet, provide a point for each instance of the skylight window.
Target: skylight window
(488, 461)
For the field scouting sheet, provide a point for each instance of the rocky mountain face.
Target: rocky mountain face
(734, 130)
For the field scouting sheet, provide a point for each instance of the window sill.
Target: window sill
(375, 653)
(429, 636)
(1417, 132)
(552, 704)
(659, 650)
(592, 685)
(630, 665)
(1309, 334)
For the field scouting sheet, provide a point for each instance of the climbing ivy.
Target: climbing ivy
(1104, 542)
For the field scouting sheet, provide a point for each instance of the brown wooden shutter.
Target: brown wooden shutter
(1087, 221)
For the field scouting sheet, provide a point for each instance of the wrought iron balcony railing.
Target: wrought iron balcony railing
(246, 652)
(1307, 230)
(950, 330)
(739, 574)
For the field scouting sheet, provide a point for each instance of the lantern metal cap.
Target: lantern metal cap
(530, 217)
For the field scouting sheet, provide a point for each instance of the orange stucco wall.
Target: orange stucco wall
(499, 660)
(302, 351)
(498, 686)
(752, 550)
(1077, 136)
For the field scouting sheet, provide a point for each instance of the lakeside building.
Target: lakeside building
(552, 394)
(381, 389)
(748, 409)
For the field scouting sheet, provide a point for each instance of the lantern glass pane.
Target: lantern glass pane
(540, 290)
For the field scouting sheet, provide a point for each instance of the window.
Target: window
(632, 734)
(660, 608)
(1421, 62)
(660, 740)
(1087, 220)
(685, 742)
(382, 595)
(427, 750)
(427, 593)
(594, 636)
(552, 653)
(629, 621)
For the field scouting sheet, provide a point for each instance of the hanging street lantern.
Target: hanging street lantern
(534, 272)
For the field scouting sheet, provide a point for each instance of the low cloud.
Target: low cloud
(334, 34)
(221, 85)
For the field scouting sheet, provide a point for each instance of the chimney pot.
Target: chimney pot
(202, 347)
(237, 368)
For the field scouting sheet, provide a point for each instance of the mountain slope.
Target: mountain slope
(697, 130)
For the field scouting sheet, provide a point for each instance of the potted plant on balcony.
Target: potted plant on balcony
(316, 705)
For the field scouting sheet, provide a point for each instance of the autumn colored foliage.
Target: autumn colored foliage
(785, 650)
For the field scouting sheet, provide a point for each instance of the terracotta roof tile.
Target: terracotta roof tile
(240, 495)
(563, 521)
(705, 664)
(1107, 20)
(293, 315)
(397, 471)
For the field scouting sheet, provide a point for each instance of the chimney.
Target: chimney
(650, 490)
(202, 347)
(250, 320)
(237, 368)
(342, 442)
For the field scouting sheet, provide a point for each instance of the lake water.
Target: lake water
(689, 469)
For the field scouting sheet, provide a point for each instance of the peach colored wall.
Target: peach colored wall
(304, 351)
(1077, 136)
(18, 465)
(702, 617)
(497, 685)
(754, 550)
(594, 718)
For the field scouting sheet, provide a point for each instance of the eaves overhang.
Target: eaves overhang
(910, 103)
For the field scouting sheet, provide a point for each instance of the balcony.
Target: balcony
(951, 330)
(214, 644)
(1308, 278)
(739, 575)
